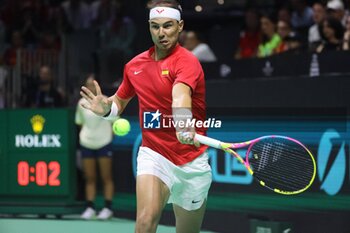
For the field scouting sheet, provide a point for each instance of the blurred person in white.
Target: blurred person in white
(194, 42)
(78, 14)
(319, 15)
(95, 140)
(336, 10)
(346, 40)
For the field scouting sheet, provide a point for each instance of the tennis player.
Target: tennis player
(171, 167)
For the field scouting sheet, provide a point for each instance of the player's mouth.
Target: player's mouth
(164, 42)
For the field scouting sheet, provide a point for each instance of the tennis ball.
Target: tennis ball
(121, 127)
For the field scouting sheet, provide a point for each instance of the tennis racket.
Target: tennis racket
(281, 164)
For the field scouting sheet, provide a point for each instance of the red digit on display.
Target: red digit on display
(23, 173)
(55, 169)
(41, 173)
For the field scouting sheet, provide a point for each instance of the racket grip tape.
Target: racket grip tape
(208, 141)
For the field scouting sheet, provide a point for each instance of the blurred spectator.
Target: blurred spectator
(196, 44)
(58, 21)
(346, 39)
(182, 37)
(49, 42)
(333, 33)
(270, 38)
(10, 13)
(30, 26)
(10, 55)
(289, 40)
(44, 94)
(314, 36)
(284, 14)
(249, 36)
(336, 10)
(103, 13)
(2, 37)
(119, 33)
(301, 15)
(78, 14)
(3, 77)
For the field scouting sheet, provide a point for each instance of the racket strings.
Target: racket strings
(275, 177)
(285, 174)
(292, 161)
(281, 164)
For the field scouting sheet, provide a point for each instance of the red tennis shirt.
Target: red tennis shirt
(152, 81)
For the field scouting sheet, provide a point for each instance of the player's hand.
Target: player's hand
(187, 137)
(97, 103)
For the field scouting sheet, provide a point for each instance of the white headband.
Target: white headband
(165, 12)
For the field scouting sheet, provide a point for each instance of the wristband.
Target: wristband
(113, 113)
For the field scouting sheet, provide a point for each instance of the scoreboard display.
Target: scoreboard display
(37, 157)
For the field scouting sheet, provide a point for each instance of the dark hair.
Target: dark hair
(336, 25)
(166, 3)
(272, 17)
(323, 4)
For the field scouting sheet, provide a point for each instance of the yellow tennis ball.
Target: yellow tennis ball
(121, 127)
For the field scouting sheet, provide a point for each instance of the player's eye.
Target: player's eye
(168, 25)
(154, 26)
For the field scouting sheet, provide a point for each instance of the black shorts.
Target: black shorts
(105, 151)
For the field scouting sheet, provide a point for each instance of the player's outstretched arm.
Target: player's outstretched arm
(97, 103)
(182, 105)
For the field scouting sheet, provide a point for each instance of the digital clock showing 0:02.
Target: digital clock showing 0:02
(42, 174)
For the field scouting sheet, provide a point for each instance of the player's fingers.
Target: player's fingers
(196, 142)
(86, 106)
(98, 88)
(87, 92)
(85, 96)
(186, 138)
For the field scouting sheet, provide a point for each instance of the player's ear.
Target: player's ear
(181, 25)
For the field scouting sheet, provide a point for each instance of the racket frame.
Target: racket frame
(229, 148)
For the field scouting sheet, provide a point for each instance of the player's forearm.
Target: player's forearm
(181, 106)
(181, 96)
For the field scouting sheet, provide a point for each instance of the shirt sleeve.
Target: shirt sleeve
(188, 70)
(126, 89)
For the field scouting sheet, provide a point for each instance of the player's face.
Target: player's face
(165, 32)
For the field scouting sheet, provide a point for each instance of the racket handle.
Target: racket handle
(208, 141)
